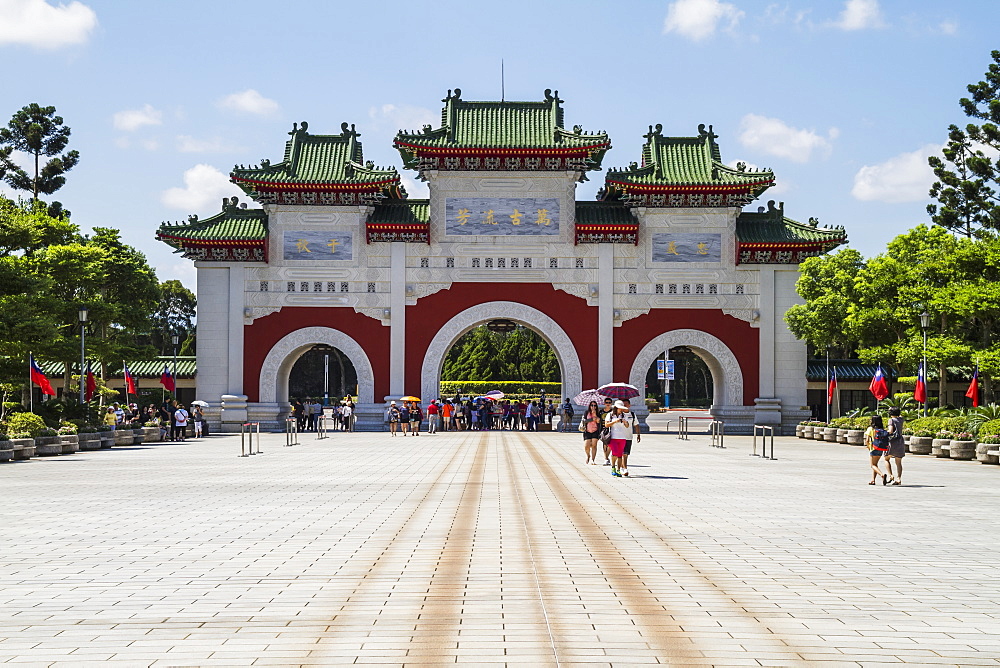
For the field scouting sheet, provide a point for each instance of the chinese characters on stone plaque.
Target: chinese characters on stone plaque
(687, 247)
(318, 245)
(501, 216)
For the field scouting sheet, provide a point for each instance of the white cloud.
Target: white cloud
(249, 102)
(131, 120)
(903, 178)
(403, 117)
(698, 19)
(948, 27)
(189, 144)
(204, 187)
(37, 23)
(773, 137)
(860, 15)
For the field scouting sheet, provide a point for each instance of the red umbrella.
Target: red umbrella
(619, 391)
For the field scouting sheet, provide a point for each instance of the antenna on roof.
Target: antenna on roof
(501, 81)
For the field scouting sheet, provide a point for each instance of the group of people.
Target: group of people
(172, 417)
(308, 412)
(886, 444)
(615, 426)
(481, 414)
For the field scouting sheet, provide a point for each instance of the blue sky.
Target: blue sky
(842, 99)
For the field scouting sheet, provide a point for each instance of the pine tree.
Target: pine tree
(37, 131)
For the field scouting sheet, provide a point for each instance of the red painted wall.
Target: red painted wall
(423, 320)
(261, 336)
(741, 338)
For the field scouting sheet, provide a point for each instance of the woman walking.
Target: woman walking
(590, 425)
(877, 440)
(404, 418)
(897, 449)
(620, 425)
(392, 415)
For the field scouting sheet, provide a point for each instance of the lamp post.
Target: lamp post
(83, 346)
(828, 399)
(175, 340)
(925, 323)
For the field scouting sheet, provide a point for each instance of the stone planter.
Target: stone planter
(138, 436)
(89, 441)
(906, 440)
(70, 443)
(24, 448)
(107, 439)
(921, 445)
(47, 446)
(150, 434)
(856, 436)
(830, 434)
(6, 451)
(964, 450)
(799, 430)
(842, 435)
(983, 448)
(123, 437)
(818, 433)
(936, 447)
(807, 431)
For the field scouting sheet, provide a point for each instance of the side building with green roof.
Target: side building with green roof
(333, 254)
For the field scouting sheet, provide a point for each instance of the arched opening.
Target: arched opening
(692, 385)
(323, 372)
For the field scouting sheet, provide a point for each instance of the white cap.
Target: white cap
(393, 402)
(621, 404)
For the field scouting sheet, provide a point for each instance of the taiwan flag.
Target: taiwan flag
(91, 389)
(973, 391)
(832, 387)
(878, 386)
(130, 381)
(38, 377)
(167, 379)
(920, 391)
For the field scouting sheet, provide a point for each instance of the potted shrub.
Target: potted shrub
(48, 442)
(151, 432)
(830, 433)
(941, 439)
(107, 434)
(69, 439)
(807, 429)
(6, 449)
(856, 430)
(122, 436)
(23, 444)
(88, 438)
(963, 446)
(800, 429)
(921, 442)
(987, 443)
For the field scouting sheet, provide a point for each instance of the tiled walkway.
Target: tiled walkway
(495, 549)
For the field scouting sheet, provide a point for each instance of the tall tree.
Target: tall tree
(174, 315)
(37, 131)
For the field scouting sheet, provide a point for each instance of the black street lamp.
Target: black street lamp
(83, 346)
(175, 340)
(925, 323)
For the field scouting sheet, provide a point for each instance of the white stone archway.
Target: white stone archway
(281, 358)
(570, 371)
(727, 376)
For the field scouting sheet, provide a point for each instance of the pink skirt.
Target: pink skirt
(617, 446)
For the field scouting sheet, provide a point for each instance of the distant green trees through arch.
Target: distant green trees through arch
(483, 355)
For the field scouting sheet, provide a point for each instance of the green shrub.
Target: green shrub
(475, 388)
(991, 439)
(25, 423)
(68, 428)
(989, 428)
(923, 433)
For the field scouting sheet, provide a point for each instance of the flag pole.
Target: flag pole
(828, 398)
(125, 374)
(31, 390)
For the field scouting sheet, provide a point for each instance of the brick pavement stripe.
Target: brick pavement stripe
(495, 549)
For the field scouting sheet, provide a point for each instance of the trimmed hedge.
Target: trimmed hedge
(990, 428)
(936, 424)
(25, 423)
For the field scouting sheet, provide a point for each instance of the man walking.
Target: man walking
(432, 417)
(633, 432)
(566, 416)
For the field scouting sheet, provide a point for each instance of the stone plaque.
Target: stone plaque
(502, 216)
(318, 245)
(687, 247)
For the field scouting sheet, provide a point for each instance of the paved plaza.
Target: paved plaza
(495, 549)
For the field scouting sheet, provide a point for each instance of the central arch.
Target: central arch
(727, 377)
(570, 371)
(282, 356)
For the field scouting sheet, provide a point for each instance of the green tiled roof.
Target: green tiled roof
(316, 160)
(770, 226)
(686, 161)
(502, 125)
(847, 370)
(406, 212)
(233, 223)
(148, 368)
(604, 213)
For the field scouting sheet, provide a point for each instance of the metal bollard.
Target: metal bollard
(764, 431)
(291, 432)
(718, 431)
(320, 427)
(246, 438)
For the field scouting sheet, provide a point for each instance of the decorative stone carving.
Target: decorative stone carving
(376, 313)
(750, 315)
(252, 313)
(727, 377)
(421, 290)
(569, 362)
(623, 315)
(581, 290)
(283, 355)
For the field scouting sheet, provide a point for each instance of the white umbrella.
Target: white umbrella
(585, 397)
(199, 402)
(495, 395)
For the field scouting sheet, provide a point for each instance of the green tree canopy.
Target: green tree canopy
(37, 131)
(520, 355)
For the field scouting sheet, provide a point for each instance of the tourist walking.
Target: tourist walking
(620, 425)
(415, 418)
(446, 412)
(565, 415)
(347, 415)
(633, 435)
(877, 440)
(529, 416)
(181, 420)
(393, 417)
(608, 408)
(198, 418)
(404, 417)
(897, 449)
(432, 417)
(590, 425)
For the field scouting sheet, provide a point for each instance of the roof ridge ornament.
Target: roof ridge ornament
(655, 131)
(709, 133)
(299, 130)
(348, 131)
(456, 96)
(552, 97)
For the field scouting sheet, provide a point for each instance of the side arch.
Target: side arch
(278, 363)
(727, 376)
(570, 371)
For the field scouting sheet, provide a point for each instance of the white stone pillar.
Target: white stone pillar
(237, 302)
(397, 320)
(214, 318)
(768, 406)
(605, 313)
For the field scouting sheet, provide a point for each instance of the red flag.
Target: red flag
(129, 381)
(878, 386)
(167, 379)
(920, 391)
(973, 391)
(832, 387)
(91, 385)
(39, 378)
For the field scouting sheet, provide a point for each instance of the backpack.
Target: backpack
(880, 440)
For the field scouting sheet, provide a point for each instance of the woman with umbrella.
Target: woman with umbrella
(590, 425)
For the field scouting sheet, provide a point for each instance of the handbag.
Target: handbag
(583, 424)
(605, 435)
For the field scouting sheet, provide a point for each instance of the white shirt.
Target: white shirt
(618, 425)
(347, 411)
(180, 417)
